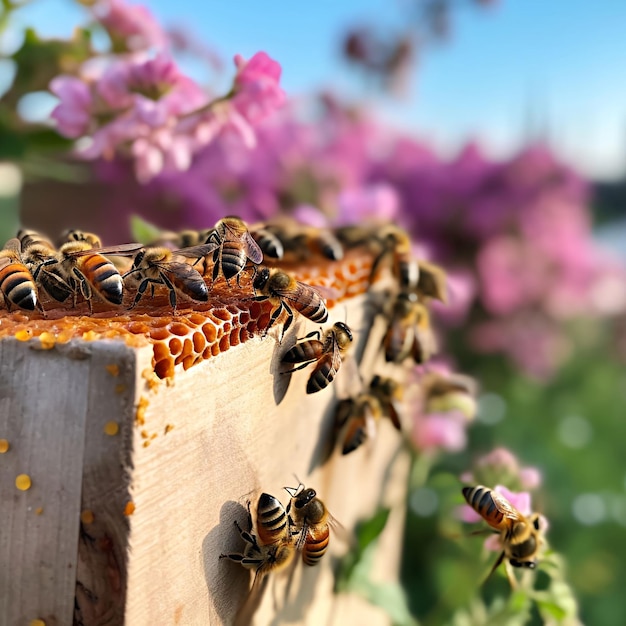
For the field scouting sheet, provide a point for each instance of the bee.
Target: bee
(79, 235)
(357, 418)
(520, 536)
(232, 245)
(268, 241)
(301, 240)
(38, 254)
(312, 521)
(155, 266)
(274, 548)
(79, 268)
(16, 282)
(432, 281)
(286, 292)
(181, 239)
(409, 333)
(325, 351)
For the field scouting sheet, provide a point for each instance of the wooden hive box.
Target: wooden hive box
(145, 434)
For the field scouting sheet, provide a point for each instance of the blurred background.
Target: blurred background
(494, 131)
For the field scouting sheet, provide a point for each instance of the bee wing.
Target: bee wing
(505, 507)
(14, 245)
(125, 249)
(195, 252)
(252, 249)
(326, 293)
(183, 271)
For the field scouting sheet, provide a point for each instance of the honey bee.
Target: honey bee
(312, 521)
(286, 292)
(79, 267)
(269, 242)
(155, 266)
(301, 241)
(357, 418)
(181, 239)
(232, 245)
(432, 281)
(325, 351)
(274, 548)
(409, 333)
(39, 255)
(16, 282)
(78, 235)
(520, 536)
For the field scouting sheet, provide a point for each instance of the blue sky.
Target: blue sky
(555, 66)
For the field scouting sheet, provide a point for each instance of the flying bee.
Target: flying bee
(520, 536)
(286, 292)
(16, 282)
(232, 245)
(325, 351)
(79, 267)
(300, 240)
(156, 266)
(356, 419)
(409, 332)
(311, 520)
(275, 548)
(78, 235)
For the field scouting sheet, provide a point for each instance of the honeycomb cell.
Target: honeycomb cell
(178, 328)
(176, 346)
(210, 332)
(198, 342)
(159, 333)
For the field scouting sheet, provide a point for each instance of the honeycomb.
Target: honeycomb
(194, 333)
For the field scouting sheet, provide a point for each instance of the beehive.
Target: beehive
(144, 433)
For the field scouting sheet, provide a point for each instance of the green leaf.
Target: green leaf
(370, 529)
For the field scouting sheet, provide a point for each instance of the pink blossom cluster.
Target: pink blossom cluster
(514, 235)
(136, 102)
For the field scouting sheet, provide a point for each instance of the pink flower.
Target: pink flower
(256, 92)
(374, 202)
(444, 431)
(130, 27)
(73, 113)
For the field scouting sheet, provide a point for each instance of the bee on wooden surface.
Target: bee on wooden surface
(409, 333)
(286, 293)
(274, 548)
(311, 520)
(74, 234)
(325, 351)
(357, 418)
(232, 245)
(156, 266)
(83, 269)
(16, 282)
(520, 536)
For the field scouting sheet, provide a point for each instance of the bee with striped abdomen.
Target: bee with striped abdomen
(16, 282)
(326, 351)
(311, 519)
(285, 293)
(520, 536)
(273, 547)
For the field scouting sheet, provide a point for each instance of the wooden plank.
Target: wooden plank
(43, 404)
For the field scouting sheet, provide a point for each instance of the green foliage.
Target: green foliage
(143, 231)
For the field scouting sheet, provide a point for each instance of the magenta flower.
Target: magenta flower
(73, 113)
(440, 431)
(256, 90)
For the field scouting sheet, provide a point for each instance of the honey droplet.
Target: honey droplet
(90, 335)
(111, 428)
(39, 510)
(146, 443)
(168, 428)
(113, 369)
(129, 509)
(4, 446)
(48, 340)
(23, 482)
(36, 622)
(121, 388)
(23, 335)
(87, 517)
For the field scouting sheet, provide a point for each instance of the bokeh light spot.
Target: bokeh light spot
(491, 408)
(589, 509)
(424, 502)
(575, 431)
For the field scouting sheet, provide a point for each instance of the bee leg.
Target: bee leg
(168, 284)
(495, 567)
(299, 367)
(275, 316)
(143, 285)
(288, 321)
(233, 557)
(85, 287)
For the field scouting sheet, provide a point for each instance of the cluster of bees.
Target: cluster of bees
(303, 527)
